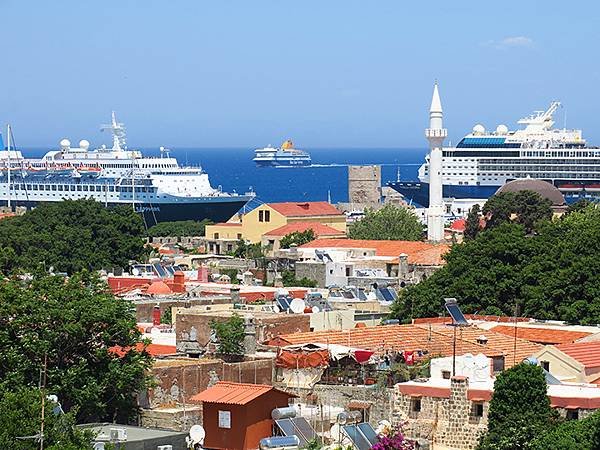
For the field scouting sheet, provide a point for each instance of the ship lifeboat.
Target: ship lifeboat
(570, 187)
(592, 187)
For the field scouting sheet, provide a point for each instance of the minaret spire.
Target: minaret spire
(435, 134)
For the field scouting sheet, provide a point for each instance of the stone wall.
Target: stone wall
(178, 380)
(449, 422)
(364, 184)
(380, 399)
(144, 308)
(313, 270)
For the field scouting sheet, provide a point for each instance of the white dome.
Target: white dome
(478, 129)
(65, 143)
(84, 144)
(501, 129)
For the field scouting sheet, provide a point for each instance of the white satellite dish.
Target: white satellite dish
(197, 434)
(315, 309)
(297, 305)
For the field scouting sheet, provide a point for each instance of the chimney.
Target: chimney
(235, 294)
(248, 278)
(278, 282)
(156, 315)
(179, 282)
(403, 267)
(249, 336)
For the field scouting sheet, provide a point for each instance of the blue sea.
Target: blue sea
(233, 170)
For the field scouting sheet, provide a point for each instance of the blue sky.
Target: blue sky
(334, 73)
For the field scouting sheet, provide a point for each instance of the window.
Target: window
(446, 374)
(267, 216)
(478, 409)
(498, 362)
(261, 216)
(224, 419)
(239, 236)
(415, 405)
(545, 365)
(216, 236)
(572, 414)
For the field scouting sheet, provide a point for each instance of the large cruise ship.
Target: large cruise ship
(285, 156)
(483, 161)
(157, 187)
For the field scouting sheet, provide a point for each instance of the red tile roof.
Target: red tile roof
(542, 335)
(436, 339)
(419, 252)
(318, 228)
(292, 209)
(233, 393)
(475, 317)
(587, 353)
(151, 349)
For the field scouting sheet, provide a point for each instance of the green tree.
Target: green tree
(179, 228)
(70, 236)
(387, 223)
(519, 410)
(581, 434)
(579, 206)
(230, 335)
(524, 207)
(472, 224)
(20, 416)
(73, 324)
(297, 237)
(553, 273)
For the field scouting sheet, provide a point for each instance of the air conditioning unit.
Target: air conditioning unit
(118, 434)
(164, 447)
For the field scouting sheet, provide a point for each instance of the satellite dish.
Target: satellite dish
(316, 309)
(297, 306)
(197, 434)
(135, 272)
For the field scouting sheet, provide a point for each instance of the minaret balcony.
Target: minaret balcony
(436, 132)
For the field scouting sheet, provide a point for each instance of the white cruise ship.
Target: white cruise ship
(157, 187)
(485, 160)
(285, 156)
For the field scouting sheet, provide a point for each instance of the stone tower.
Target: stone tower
(435, 134)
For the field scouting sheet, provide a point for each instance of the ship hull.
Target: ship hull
(283, 163)
(417, 192)
(218, 210)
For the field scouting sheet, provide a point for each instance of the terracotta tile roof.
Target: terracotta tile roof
(473, 317)
(587, 353)
(436, 339)
(419, 252)
(542, 335)
(233, 393)
(292, 209)
(389, 337)
(498, 341)
(318, 228)
(151, 349)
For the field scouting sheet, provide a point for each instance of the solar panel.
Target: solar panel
(288, 429)
(356, 437)
(304, 428)
(368, 432)
(458, 317)
(283, 303)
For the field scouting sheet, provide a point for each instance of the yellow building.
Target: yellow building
(253, 225)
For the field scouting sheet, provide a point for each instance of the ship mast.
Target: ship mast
(8, 153)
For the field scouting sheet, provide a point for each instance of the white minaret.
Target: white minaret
(435, 134)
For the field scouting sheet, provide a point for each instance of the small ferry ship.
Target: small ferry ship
(285, 156)
(157, 187)
(485, 160)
